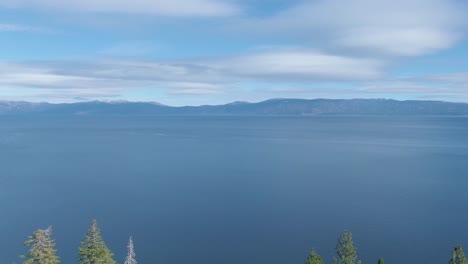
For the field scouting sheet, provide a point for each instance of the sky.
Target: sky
(195, 52)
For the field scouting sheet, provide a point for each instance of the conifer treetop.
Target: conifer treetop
(458, 257)
(345, 250)
(42, 248)
(314, 258)
(93, 250)
(130, 259)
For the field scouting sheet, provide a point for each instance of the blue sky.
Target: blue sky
(192, 52)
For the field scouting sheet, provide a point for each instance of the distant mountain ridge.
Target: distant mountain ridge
(295, 107)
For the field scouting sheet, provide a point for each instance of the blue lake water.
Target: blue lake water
(237, 190)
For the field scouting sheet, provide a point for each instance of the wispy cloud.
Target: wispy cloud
(279, 66)
(298, 65)
(398, 27)
(189, 77)
(156, 7)
(17, 28)
(226, 75)
(460, 77)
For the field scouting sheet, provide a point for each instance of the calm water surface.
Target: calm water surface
(237, 190)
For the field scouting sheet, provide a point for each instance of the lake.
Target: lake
(234, 190)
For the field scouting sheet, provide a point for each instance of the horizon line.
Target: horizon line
(230, 103)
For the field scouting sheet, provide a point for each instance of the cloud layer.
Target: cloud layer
(398, 27)
(309, 48)
(206, 76)
(281, 74)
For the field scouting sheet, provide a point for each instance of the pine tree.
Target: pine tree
(314, 258)
(458, 257)
(131, 253)
(93, 250)
(381, 261)
(42, 248)
(346, 251)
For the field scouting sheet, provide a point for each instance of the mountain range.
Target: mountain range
(295, 107)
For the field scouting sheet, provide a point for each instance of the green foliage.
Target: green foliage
(42, 248)
(93, 250)
(458, 257)
(314, 258)
(381, 261)
(346, 251)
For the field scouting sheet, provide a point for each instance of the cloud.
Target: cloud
(391, 88)
(153, 7)
(396, 27)
(298, 65)
(461, 77)
(407, 42)
(57, 96)
(252, 76)
(189, 77)
(59, 80)
(16, 28)
(282, 66)
(177, 85)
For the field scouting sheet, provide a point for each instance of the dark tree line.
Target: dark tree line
(93, 250)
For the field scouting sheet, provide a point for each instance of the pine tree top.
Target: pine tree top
(314, 258)
(458, 257)
(345, 250)
(93, 249)
(42, 248)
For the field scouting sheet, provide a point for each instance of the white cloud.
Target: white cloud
(259, 75)
(208, 76)
(299, 65)
(282, 66)
(401, 41)
(390, 27)
(157, 7)
(59, 80)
